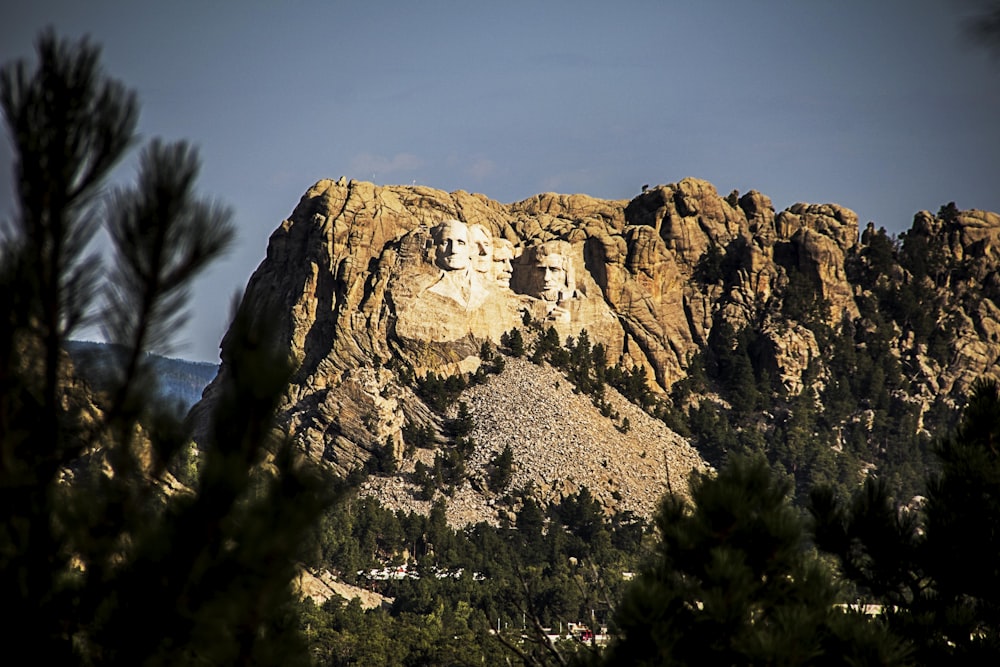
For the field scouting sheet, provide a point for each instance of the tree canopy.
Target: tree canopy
(733, 582)
(104, 557)
(934, 568)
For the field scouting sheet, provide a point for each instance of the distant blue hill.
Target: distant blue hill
(180, 382)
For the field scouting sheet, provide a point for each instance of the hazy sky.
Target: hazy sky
(882, 106)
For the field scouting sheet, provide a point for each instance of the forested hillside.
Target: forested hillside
(178, 382)
(516, 463)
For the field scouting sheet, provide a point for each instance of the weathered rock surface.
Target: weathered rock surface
(360, 280)
(322, 585)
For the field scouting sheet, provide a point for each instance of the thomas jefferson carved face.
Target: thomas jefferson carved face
(451, 245)
(481, 248)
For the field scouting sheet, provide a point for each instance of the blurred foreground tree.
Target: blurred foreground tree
(733, 583)
(104, 558)
(984, 27)
(936, 572)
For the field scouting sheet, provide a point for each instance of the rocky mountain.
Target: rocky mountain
(372, 290)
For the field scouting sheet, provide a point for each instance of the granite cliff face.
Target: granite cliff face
(362, 285)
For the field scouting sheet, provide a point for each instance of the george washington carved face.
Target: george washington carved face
(451, 245)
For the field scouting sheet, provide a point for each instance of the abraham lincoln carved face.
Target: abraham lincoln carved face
(549, 277)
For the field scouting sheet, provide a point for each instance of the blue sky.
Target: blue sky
(882, 106)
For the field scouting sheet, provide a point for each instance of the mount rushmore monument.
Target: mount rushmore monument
(366, 287)
(468, 284)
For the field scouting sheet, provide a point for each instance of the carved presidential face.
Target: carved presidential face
(550, 272)
(545, 272)
(451, 245)
(481, 248)
(503, 253)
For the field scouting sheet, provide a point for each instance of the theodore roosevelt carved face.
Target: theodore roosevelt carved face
(503, 253)
(451, 245)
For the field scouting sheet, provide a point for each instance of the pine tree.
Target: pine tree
(502, 469)
(98, 564)
(963, 522)
(733, 583)
(463, 423)
(936, 574)
(513, 341)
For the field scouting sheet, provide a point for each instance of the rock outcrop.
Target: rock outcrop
(364, 285)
